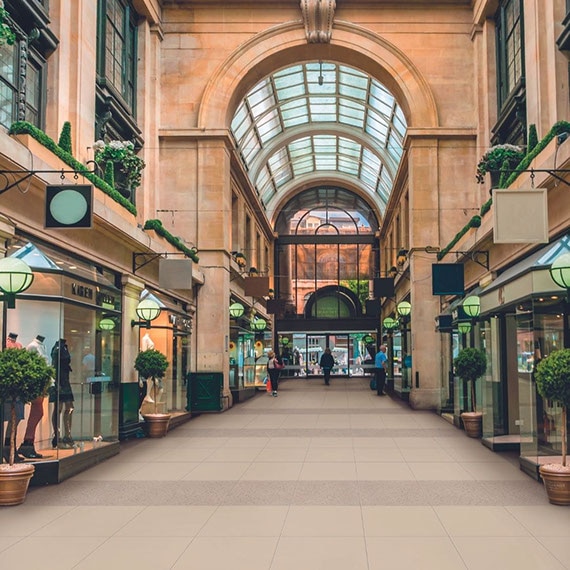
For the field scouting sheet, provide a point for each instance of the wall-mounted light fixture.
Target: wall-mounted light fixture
(147, 310)
(560, 270)
(472, 306)
(390, 324)
(258, 324)
(15, 277)
(404, 309)
(464, 327)
(236, 310)
(106, 324)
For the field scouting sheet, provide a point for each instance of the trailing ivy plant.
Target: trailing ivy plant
(25, 128)
(157, 226)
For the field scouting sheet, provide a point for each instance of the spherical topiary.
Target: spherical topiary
(151, 364)
(553, 377)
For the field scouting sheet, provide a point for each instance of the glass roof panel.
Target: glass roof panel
(310, 95)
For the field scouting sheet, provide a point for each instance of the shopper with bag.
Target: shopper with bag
(274, 367)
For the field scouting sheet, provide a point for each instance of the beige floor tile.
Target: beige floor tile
(25, 520)
(329, 454)
(493, 471)
(164, 471)
(366, 421)
(479, 521)
(254, 442)
(429, 455)
(439, 472)
(296, 442)
(291, 454)
(397, 553)
(401, 521)
(381, 455)
(276, 471)
(328, 471)
(558, 546)
(323, 522)
(384, 471)
(315, 553)
(334, 442)
(90, 521)
(224, 553)
(217, 471)
(506, 553)
(49, 554)
(334, 421)
(245, 521)
(7, 541)
(240, 454)
(374, 443)
(190, 455)
(137, 553)
(548, 520)
(416, 442)
(170, 521)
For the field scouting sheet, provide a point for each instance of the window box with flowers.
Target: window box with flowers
(499, 157)
(122, 167)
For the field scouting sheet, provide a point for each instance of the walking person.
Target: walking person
(381, 366)
(274, 366)
(327, 363)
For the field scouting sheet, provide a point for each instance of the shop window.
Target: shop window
(511, 92)
(116, 72)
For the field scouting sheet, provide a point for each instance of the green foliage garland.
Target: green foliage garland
(157, 226)
(7, 35)
(532, 138)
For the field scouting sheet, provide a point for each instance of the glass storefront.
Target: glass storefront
(170, 334)
(71, 314)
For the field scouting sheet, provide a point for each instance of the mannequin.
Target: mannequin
(12, 342)
(27, 448)
(62, 395)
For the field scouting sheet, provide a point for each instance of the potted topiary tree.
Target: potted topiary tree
(152, 364)
(553, 383)
(470, 365)
(24, 375)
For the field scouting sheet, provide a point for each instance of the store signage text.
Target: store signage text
(180, 322)
(82, 291)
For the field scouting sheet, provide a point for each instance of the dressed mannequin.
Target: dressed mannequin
(62, 395)
(12, 342)
(27, 448)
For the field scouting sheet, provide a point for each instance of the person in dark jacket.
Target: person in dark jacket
(327, 363)
(274, 366)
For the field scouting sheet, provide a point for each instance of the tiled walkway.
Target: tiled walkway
(319, 478)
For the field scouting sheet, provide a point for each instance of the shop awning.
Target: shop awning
(529, 277)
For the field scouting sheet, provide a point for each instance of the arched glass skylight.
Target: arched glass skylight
(320, 117)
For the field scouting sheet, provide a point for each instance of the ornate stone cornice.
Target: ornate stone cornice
(318, 16)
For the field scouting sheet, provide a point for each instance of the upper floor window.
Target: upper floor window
(116, 71)
(510, 60)
(23, 66)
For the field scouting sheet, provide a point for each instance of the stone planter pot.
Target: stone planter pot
(14, 482)
(156, 424)
(472, 422)
(556, 479)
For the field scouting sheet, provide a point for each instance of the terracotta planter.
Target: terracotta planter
(472, 422)
(556, 479)
(157, 424)
(14, 481)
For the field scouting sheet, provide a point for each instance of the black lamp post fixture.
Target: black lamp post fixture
(258, 324)
(147, 310)
(106, 324)
(236, 310)
(404, 309)
(560, 273)
(15, 277)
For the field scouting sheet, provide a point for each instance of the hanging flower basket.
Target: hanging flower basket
(122, 167)
(495, 158)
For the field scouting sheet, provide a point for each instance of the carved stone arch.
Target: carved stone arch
(286, 45)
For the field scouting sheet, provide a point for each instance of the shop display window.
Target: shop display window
(75, 324)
